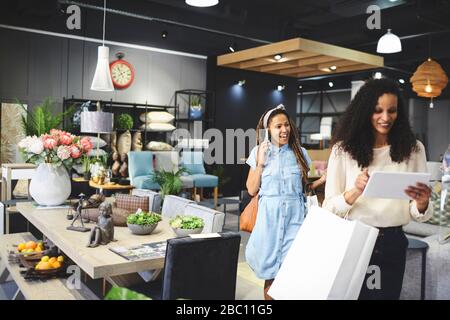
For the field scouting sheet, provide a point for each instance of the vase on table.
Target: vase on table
(50, 185)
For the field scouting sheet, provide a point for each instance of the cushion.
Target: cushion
(131, 203)
(94, 153)
(204, 180)
(193, 162)
(136, 143)
(166, 160)
(119, 215)
(21, 189)
(157, 127)
(96, 140)
(158, 146)
(156, 116)
(439, 218)
(124, 143)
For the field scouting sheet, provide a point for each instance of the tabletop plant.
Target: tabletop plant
(186, 222)
(143, 218)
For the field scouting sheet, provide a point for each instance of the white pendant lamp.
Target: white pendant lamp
(389, 43)
(102, 78)
(202, 3)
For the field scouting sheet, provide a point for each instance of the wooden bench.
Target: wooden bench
(52, 289)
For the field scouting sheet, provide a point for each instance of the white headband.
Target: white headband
(267, 116)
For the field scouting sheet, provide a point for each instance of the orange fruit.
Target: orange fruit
(56, 264)
(60, 259)
(51, 260)
(44, 266)
(31, 245)
(20, 247)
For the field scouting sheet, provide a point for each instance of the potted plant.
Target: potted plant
(86, 162)
(55, 154)
(185, 225)
(169, 181)
(195, 108)
(143, 222)
(41, 119)
(124, 122)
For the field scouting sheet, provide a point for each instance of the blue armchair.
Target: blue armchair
(140, 170)
(193, 162)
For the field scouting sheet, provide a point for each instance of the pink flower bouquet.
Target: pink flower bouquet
(58, 147)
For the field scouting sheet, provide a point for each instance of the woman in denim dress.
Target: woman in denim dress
(277, 169)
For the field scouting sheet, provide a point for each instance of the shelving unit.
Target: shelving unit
(117, 108)
(183, 101)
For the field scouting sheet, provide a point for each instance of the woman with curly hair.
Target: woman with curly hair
(277, 167)
(374, 134)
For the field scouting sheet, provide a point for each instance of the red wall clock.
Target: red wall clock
(122, 72)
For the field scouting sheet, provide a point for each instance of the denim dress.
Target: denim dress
(281, 210)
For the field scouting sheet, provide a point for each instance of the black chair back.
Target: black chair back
(201, 269)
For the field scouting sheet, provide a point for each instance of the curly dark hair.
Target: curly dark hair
(355, 133)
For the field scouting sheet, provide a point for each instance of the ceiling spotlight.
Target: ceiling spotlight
(231, 47)
(241, 82)
(402, 81)
(164, 34)
(389, 43)
(278, 57)
(202, 3)
(330, 84)
(281, 87)
(333, 68)
(300, 87)
(378, 75)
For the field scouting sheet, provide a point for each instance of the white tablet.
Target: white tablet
(392, 185)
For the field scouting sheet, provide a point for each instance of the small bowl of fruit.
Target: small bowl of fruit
(49, 264)
(32, 250)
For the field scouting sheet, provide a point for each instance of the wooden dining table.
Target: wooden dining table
(99, 262)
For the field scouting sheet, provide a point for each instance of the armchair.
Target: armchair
(193, 162)
(140, 170)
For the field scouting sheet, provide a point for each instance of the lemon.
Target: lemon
(21, 246)
(45, 258)
(60, 259)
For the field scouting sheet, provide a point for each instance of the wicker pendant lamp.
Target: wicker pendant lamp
(429, 79)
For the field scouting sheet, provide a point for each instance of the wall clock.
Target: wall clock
(122, 72)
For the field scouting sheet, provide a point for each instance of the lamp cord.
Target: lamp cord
(104, 21)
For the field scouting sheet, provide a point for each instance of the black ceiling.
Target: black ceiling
(423, 26)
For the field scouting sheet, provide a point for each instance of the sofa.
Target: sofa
(437, 275)
(173, 206)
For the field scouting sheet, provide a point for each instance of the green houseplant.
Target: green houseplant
(185, 225)
(42, 118)
(143, 222)
(124, 122)
(169, 181)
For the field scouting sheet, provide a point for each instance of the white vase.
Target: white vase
(50, 185)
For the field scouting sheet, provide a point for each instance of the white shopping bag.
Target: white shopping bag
(327, 260)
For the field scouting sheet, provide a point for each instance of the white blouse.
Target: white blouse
(341, 175)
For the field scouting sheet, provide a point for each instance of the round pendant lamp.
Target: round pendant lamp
(429, 79)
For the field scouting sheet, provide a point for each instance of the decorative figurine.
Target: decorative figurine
(103, 232)
(78, 216)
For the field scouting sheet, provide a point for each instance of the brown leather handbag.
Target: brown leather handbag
(247, 219)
